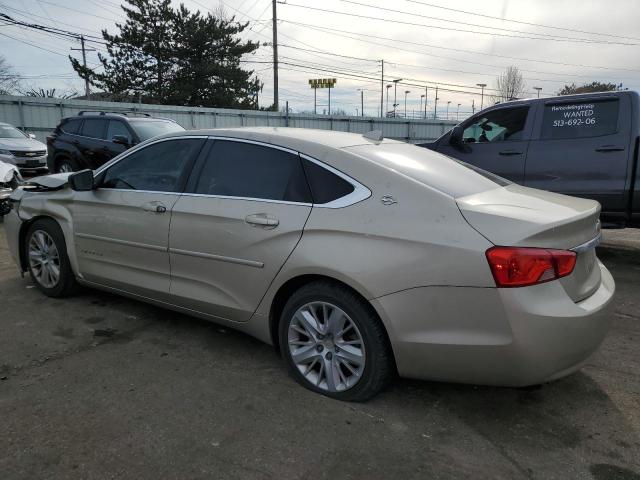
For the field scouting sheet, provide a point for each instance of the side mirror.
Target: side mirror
(456, 135)
(31, 135)
(81, 181)
(120, 140)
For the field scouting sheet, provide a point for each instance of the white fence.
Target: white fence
(41, 115)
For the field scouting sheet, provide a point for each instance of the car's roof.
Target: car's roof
(119, 116)
(299, 139)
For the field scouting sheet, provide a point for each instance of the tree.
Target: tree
(589, 88)
(9, 80)
(167, 55)
(42, 93)
(509, 86)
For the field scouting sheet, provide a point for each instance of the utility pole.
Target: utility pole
(329, 99)
(315, 92)
(420, 111)
(448, 103)
(87, 93)
(473, 106)
(382, 89)
(481, 85)
(361, 101)
(275, 56)
(458, 113)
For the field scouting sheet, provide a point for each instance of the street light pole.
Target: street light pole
(361, 102)
(435, 105)
(481, 85)
(421, 97)
(395, 95)
(538, 89)
(406, 92)
(448, 103)
(386, 112)
(458, 113)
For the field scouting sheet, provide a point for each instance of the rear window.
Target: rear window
(580, 119)
(147, 129)
(71, 126)
(438, 171)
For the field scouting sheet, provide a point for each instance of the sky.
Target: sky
(451, 44)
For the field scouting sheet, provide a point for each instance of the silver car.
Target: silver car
(22, 149)
(357, 257)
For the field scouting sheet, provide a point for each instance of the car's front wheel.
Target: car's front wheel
(334, 343)
(47, 259)
(65, 165)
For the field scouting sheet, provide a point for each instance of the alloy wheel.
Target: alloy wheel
(65, 167)
(44, 259)
(326, 346)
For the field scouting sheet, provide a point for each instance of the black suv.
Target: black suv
(90, 139)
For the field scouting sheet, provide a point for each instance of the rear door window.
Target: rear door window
(246, 170)
(502, 125)
(71, 126)
(116, 127)
(94, 128)
(580, 119)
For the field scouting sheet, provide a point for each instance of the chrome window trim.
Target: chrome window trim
(585, 247)
(360, 192)
(137, 147)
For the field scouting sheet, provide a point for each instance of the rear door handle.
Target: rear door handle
(154, 207)
(609, 148)
(262, 220)
(509, 152)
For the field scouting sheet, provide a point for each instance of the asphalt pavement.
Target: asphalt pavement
(100, 387)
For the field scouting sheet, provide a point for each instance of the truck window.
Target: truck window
(502, 125)
(580, 119)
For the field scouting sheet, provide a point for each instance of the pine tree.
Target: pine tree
(173, 56)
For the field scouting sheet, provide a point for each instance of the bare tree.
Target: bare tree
(8, 78)
(509, 86)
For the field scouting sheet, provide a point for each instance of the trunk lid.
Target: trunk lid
(525, 217)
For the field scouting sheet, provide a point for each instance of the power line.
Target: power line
(77, 11)
(415, 52)
(386, 20)
(550, 62)
(521, 22)
(414, 14)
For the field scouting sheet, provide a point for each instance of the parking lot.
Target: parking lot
(98, 386)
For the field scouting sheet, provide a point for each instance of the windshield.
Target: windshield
(7, 131)
(147, 129)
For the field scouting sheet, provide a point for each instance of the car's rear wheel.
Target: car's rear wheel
(334, 343)
(47, 259)
(65, 165)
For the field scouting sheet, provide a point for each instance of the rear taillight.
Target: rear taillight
(519, 267)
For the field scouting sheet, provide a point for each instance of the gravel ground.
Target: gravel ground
(98, 386)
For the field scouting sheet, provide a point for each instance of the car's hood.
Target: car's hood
(50, 182)
(24, 144)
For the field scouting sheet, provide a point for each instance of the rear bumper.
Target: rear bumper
(491, 336)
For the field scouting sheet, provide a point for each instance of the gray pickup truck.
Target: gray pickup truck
(583, 145)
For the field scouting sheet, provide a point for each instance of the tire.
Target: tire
(358, 354)
(48, 233)
(66, 163)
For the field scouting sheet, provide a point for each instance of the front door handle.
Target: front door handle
(154, 207)
(609, 148)
(509, 152)
(262, 220)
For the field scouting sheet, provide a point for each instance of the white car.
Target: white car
(22, 150)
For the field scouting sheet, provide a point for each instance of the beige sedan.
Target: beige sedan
(357, 257)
